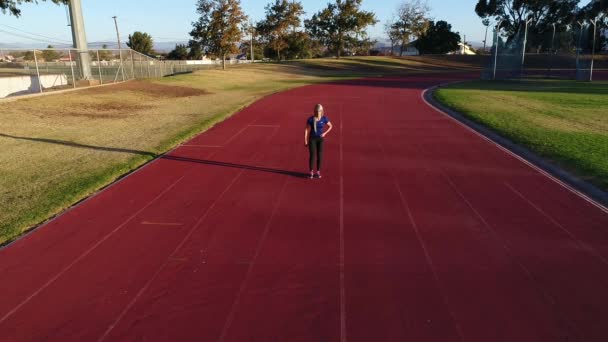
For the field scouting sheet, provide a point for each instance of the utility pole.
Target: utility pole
(119, 47)
(117, 34)
(80, 39)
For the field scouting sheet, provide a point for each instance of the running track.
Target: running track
(420, 231)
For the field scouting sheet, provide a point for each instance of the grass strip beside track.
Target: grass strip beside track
(563, 121)
(59, 149)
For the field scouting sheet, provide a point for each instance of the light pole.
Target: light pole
(523, 54)
(252, 28)
(578, 47)
(594, 22)
(552, 50)
(496, 44)
(486, 23)
(80, 39)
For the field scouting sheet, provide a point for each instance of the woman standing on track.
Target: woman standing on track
(313, 138)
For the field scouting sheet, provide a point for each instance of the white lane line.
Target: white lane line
(546, 296)
(582, 244)
(173, 254)
(86, 253)
(343, 332)
(169, 259)
(237, 300)
(543, 172)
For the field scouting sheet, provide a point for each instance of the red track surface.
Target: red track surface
(420, 231)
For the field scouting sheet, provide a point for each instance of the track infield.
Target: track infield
(420, 230)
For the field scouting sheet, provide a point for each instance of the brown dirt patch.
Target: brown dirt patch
(150, 89)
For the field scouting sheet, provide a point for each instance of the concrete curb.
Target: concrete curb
(581, 187)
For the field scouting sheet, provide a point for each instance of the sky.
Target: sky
(169, 21)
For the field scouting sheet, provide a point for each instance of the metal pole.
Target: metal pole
(552, 50)
(132, 65)
(485, 40)
(99, 67)
(37, 72)
(119, 46)
(497, 43)
(594, 22)
(80, 39)
(523, 55)
(72, 67)
(578, 47)
(252, 33)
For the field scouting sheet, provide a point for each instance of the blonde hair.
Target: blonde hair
(319, 111)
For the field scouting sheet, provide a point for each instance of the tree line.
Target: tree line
(340, 29)
(541, 16)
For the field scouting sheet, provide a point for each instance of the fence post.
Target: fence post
(132, 65)
(37, 71)
(99, 68)
(148, 66)
(72, 67)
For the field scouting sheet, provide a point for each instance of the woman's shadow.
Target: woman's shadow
(157, 156)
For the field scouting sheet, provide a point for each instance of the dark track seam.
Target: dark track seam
(586, 188)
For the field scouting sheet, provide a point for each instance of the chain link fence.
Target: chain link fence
(564, 52)
(25, 72)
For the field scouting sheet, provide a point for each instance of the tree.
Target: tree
(339, 23)
(180, 53)
(141, 42)
(50, 55)
(300, 46)
(12, 5)
(29, 55)
(514, 14)
(392, 33)
(105, 54)
(438, 39)
(411, 22)
(280, 16)
(195, 53)
(218, 30)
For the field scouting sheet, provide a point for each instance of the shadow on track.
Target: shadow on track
(157, 156)
(236, 166)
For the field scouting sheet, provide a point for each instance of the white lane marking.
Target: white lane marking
(543, 172)
(86, 253)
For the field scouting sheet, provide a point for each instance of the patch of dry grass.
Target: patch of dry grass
(58, 149)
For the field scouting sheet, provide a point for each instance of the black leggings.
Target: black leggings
(315, 146)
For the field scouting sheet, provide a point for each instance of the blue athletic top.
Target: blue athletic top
(319, 127)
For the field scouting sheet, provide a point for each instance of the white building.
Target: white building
(463, 49)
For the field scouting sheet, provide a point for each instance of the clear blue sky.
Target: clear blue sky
(171, 20)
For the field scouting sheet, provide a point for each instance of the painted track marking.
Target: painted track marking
(513, 154)
(86, 253)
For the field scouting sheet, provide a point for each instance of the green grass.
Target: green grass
(566, 122)
(59, 149)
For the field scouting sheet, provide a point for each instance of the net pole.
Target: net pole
(594, 23)
(497, 43)
(99, 68)
(72, 67)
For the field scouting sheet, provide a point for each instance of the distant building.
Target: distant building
(463, 49)
(410, 50)
(7, 58)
